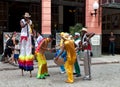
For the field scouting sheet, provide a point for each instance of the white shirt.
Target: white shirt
(38, 40)
(24, 30)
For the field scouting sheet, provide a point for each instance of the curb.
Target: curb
(52, 66)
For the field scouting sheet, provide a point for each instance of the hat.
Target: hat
(84, 29)
(76, 33)
(27, 14)
(70, 37)
(65, 36)
(61, 34)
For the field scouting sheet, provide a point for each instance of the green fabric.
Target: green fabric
(40, 76)
(45, 74)
(77, 68)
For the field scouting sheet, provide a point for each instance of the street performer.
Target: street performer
(40, 54)
(86, 47)
(26, 58)
(69, 47)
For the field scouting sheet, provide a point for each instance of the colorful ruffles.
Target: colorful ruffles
(26, 62)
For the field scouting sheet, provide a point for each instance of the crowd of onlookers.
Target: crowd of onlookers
(12, 47)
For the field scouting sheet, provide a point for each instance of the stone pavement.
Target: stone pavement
(104, 59)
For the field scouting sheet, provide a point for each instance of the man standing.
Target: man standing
(69, 46)
(112, 44)
(76, 65)
(40, 54)
(26, 58)
(86, 47)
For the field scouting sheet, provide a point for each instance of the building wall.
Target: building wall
(46, 16)
(93, 23)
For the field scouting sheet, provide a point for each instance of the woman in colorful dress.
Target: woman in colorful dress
(26, 58)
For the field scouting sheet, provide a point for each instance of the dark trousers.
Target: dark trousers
(112, 48)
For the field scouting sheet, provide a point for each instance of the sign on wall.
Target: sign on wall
(95, 40)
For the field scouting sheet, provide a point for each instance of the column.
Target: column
(93, 23)
(46, 17)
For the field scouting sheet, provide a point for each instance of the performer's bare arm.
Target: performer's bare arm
(62, 50)
(43, 48)
(89, 35)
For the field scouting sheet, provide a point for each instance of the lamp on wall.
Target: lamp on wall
(95, 7)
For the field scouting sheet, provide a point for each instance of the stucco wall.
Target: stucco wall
(93, 23)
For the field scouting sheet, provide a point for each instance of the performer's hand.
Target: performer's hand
(48, 49)
(56, 58)
(28, 21)
(53, 49)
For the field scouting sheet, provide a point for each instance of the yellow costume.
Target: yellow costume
(42, 63)
(71, 58)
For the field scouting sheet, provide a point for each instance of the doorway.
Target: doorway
(16, 12)
(69, 18)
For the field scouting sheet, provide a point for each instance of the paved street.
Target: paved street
(105, 73)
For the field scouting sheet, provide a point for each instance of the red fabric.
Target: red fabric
(88, 47)
(23, 38)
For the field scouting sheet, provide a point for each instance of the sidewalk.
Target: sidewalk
(104, 59)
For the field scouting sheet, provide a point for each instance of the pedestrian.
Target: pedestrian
(40, 55)
(13, 38)
(16, 51)
(69, 47)
(8, 49)
(77, 65)
(112, 43)
(86, 47)
(26, 57)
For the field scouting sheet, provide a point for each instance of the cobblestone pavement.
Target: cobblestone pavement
(104, 75)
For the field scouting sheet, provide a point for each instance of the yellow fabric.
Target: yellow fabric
(71, 57)
(69, 71)
(42, 64)
(61, 42)
(70, 49)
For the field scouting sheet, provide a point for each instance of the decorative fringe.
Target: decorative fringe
(26, 62)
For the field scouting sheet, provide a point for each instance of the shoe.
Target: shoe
(42, 78)
(87, 78)
(62, 72)
(38, 77)
(78, 75)
(67, 81)
(74, 73)
(47, 75)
